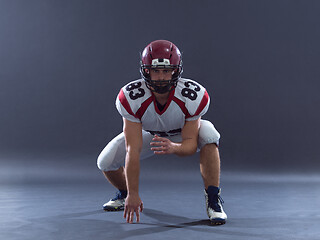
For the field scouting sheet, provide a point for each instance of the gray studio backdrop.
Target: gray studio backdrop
(62, 63)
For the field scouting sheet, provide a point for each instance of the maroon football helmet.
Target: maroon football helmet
(161, 54)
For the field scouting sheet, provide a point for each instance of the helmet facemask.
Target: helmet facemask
(161, 86)
(161, 54)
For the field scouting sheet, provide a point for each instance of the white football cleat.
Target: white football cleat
(116, 203)
(214, 206)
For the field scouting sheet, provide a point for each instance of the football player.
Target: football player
(161, 115)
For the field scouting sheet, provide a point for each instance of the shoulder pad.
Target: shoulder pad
(132, 95)
(193, 94)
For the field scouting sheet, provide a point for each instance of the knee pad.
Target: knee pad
(207, 134)
(113, 155)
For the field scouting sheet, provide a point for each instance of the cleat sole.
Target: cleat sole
(218, 221)
(113, 209)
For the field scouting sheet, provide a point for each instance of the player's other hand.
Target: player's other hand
(133, 205)
(161, 145)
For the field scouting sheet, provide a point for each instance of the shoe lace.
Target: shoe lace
(119, 195)
(213, 202)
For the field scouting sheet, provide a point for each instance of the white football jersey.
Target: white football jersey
(187, 102)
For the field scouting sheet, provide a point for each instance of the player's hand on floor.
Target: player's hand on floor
(161, 145)
(133, 206)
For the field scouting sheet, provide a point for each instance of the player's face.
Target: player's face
(161, 74)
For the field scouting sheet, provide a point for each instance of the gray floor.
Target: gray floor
(62, 200)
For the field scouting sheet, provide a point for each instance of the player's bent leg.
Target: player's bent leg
(208, 140)
(111, 162)
(113, 155)
(210, 171)
(118, 180)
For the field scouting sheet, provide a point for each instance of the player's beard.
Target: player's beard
(162, 89)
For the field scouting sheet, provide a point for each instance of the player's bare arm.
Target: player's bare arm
(188, 146)
(133, 137)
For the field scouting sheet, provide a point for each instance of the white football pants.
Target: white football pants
(113, 155)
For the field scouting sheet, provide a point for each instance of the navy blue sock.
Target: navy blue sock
(124, 193)
(212, 190)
